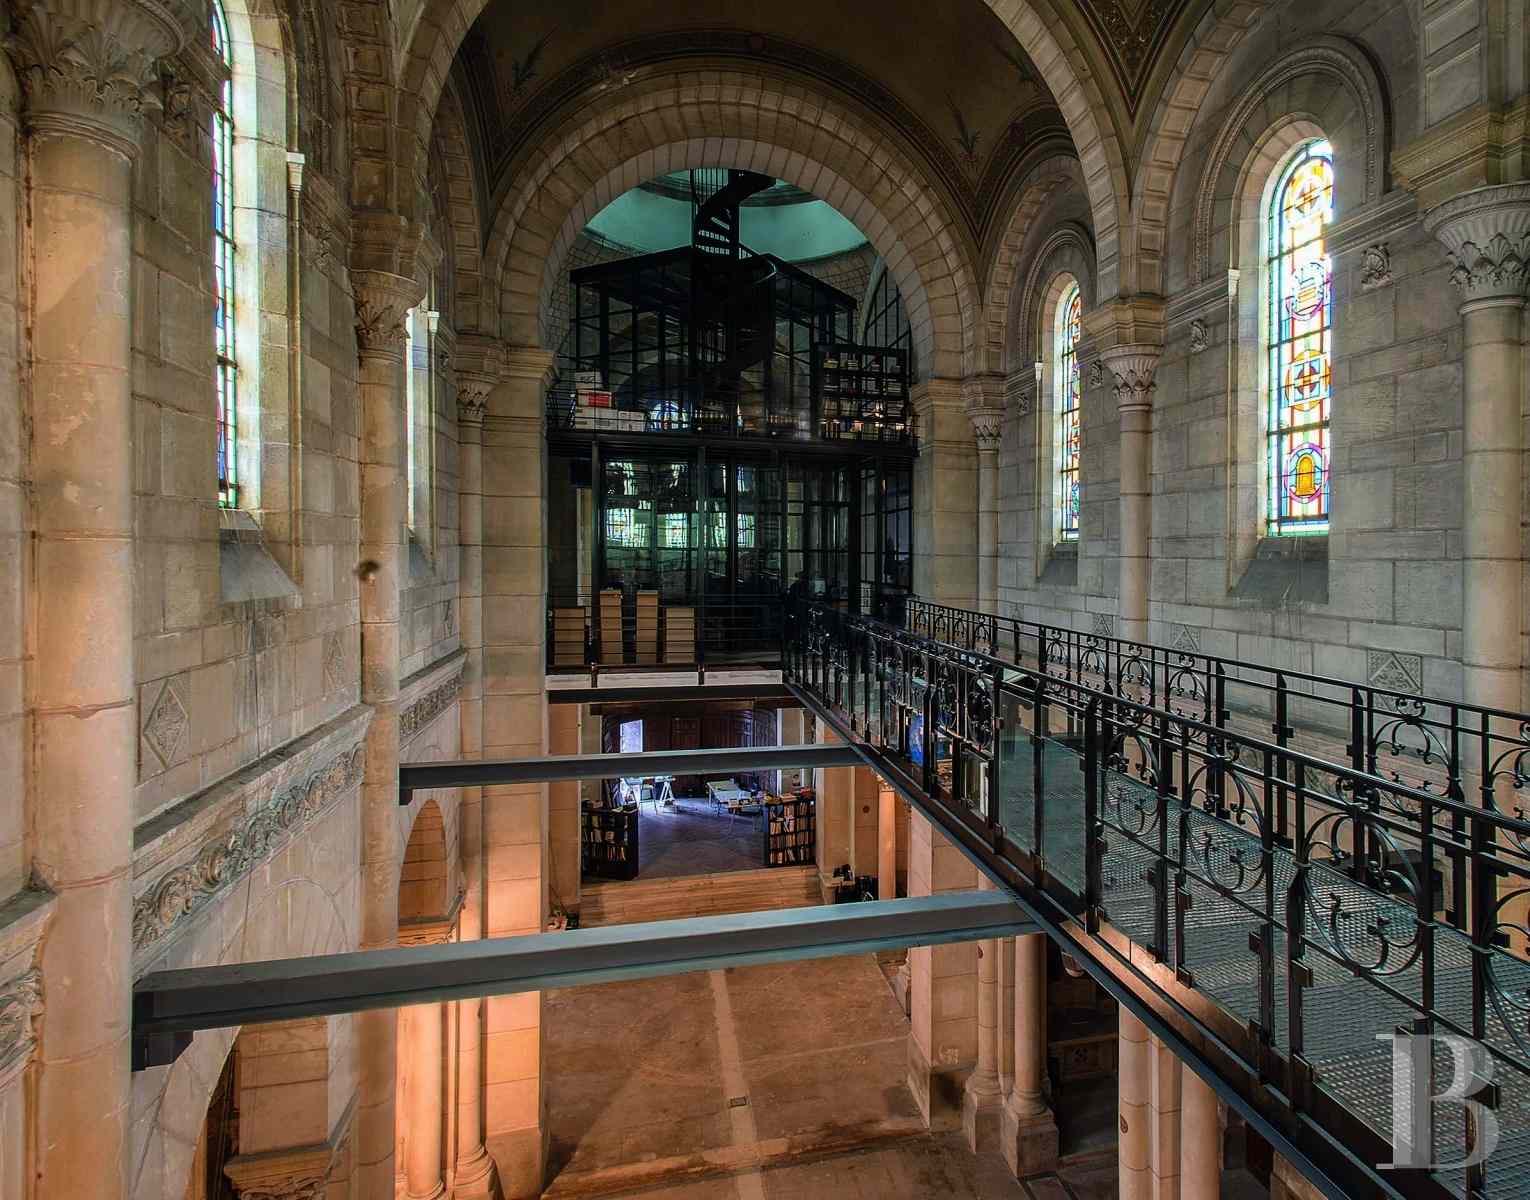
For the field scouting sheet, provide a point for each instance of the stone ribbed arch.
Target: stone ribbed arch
(690, 118)
(1045, 38)
(1303, 82)
(1067, 250)
(461, 234)
(1040, 182)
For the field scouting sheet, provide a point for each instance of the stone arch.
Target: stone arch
(461, 211)
(443, 24)
(688, 118)
(425, 875)
(1068, 251)
(1298, 86)
(1039, 183)
(296, 918)
(1045, 38)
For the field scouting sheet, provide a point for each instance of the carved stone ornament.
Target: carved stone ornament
(90, 64)
(1096, 373)
(1200, 337)
(987, 428)
(18, 1003)
(299, 1174)
(428, 707)
(1486, 233)
(230, 854)
(1133, 367)
(472, 398)
(382, 300)
(1375, 268)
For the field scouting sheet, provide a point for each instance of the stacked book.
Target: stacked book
(679, 634)
(648, 627)
(611, 625)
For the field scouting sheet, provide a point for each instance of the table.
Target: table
(727, 794)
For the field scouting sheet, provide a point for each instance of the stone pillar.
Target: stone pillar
(1135, 1075)
(835, 791)
(563, 812)
(515, 726)
(887, 842)
(1133, 367)
(1486, 232)
(943, 985)
(1200, 1173)
(424, 1098)
(1164, 1140)
(791, 730)
(1128, 334)
(1028, 1130)
(84, 66)
(477, 372)
(983, 1096)
(945, 496)
(382, 299)
(984, 402)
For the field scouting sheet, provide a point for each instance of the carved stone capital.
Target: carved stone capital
(1486, 233)
(987, 427)
(1021, 389)
(1133, 367)
(298, 1174)
(432, 931)
(89, 67)
(473, 397)
(382, 299)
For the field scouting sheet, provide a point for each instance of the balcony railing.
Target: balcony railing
(1318, 902)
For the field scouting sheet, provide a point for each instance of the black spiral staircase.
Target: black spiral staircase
(732, 283)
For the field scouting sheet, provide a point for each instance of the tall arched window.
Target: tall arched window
(1066, 328)
(226, 372)
(1298, 474)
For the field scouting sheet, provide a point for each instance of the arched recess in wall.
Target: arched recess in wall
(560, 184)
(1037, 185)
(461, 206)
(293, 919)
(1327, 82)
(315, 87)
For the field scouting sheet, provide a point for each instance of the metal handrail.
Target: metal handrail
(1178, 831)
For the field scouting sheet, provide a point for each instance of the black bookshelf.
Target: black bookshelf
(862, 393)
(609, 848)
(791, 831)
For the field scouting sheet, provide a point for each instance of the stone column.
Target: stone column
(1486, 232)
(515, 726)
(984, 402)
(945, 496)
(1200, 1173)
(1135, 1082)
(943, 984)
(1133, 366)
(84, 67)
(835, 791)
(983, 1096)
(1028, 1130)
(1164, 1140)
(382, 299)
(1128, 334)
(887, 842)
(477, 372)
(424, 1097)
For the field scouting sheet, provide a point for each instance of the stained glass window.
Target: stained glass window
(1298, 450)
(226, 372)
(1070, 314)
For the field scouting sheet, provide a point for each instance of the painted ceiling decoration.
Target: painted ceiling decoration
(1131, 35)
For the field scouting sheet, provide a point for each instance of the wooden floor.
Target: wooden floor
(619, 902)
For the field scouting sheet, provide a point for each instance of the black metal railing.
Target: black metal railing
(1319, 903)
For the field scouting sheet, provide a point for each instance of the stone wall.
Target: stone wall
(13, 517)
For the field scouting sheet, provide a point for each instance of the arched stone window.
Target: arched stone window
(1298, 329)
(1066, 485)
(226, 367)
(419, 419)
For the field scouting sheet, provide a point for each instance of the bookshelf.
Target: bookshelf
(862, 393)
(791, 827)
(609, 843)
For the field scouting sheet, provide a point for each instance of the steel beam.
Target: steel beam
(414, 777)
(169, 1006)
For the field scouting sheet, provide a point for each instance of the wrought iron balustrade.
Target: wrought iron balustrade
(1315, 904)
